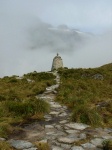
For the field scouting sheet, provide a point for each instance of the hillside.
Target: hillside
(18, 101)
(88, 93)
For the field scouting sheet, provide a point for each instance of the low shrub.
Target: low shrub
(2, 98)
(26, 108)
(5, 128)
(85, 114)
(5, 146)
(43, 146)
(107, 145)
(39, 89)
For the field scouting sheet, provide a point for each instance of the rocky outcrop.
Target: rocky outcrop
(98, 76)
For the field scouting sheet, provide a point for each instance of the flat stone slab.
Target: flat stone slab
(58, 127)
(53, 87)
(47, 117)
(97, 141)
(72, 131)
(56, 106)
(77, 148)
(49, 126)
(48, 88)
(63, 114)
(63, 122)
(109, 130)
(50, 133)
(65, 107)
(88, 146)
(31, 149)
(67, 140)
(48, 92)
(57, 148)
(82, 136)
(75, 136)
(2, 139)
(20, 144)
(66, 146)
(59, 134)
(108, 137)
(44, 97)
(78, 126)
(54, 113)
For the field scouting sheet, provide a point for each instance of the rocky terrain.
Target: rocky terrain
(57, 129)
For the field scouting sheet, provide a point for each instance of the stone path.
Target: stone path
(58, 131)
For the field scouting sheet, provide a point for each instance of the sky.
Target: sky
(87, 15)
(19, 17)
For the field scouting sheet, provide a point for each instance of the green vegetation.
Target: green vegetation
(88, 93)
(5, 146)
(42, 146)
(18, 100)
(107, 145)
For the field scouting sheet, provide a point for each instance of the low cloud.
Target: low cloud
(27, 43)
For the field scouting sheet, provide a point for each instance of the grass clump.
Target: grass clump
(5, 128)
(25, 108)
(42, 146)
(107, 145)
(85, 114)
(5, 146)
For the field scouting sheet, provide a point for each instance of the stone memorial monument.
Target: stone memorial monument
(57, 63)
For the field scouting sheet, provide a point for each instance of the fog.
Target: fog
(33, 32)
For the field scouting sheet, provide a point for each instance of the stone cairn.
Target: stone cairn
(57, 63)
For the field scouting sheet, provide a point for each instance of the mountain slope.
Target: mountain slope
(88, 93)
